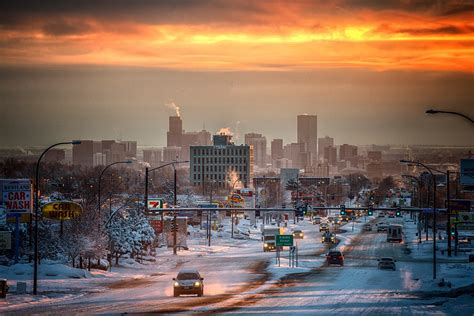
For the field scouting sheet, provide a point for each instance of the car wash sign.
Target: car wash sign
(16, 195)
(61, 210)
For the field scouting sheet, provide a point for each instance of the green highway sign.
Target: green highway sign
(284, 240)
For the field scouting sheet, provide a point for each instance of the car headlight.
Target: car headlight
(197, 283)
(176, 284)
(265, 245)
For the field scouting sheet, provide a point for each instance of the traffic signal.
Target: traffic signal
(343, 209)
(299, 211)
(398, 213)
(453, 232)
(370, 211)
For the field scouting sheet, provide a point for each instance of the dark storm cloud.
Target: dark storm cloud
(15, 13)
(420, 31)
(61, 28)
(448, 30)
(446, 7)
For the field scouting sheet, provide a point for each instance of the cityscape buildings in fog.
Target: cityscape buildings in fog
(313, 156)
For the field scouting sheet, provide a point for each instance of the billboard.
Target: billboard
(16, 195)
(467, 172)
(61, 210)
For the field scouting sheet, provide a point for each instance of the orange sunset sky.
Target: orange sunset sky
(293, 55)
(241, 35)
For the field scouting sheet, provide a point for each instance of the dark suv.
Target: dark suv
(334, 257)
(188, 282)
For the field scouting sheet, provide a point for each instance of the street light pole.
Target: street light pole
(175, 198)
(175, 219)
(99, 189)
(431, 111)
(148, 171)
(434, 208)
(37, 197)
(209, 216)
(448, 206)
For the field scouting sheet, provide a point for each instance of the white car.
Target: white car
(387, 263)
(298, 234)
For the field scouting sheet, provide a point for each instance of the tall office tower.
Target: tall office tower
(116, 153)
(293, 152)
(82, 154)
(330, 154)
(175, 132)
(323, 143)
(277, 149)
(259, 145)
(346, 152)
(130, 149)
(307, 133)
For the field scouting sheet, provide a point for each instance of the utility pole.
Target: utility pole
(175, 219)
(209, 219)
(146, 190)
(448, 210)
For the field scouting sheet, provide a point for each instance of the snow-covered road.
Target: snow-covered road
(241, 279)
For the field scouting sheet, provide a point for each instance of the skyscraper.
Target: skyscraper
(175, 132)
(323, 143)
(82, 154)
(277, 149)
(259, 145)
(307, 133)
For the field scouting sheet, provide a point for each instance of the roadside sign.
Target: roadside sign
(24, 218)
(459, 205)
(63, 210)
(466, 217)
(5, 240)
(16, 195)
(467, 172)
(157, 224)
(155, 204)
(284, 240)
(466, 227)
(236, 198)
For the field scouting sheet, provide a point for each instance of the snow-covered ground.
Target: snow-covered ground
(240, 278)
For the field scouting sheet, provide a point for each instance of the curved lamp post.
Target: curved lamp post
(418, 183)
(100, 178)
(430, 170)
(431, 111)
(37, 197)
(175, 237)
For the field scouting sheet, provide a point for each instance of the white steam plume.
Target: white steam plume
(225, 131)
(172, 105)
